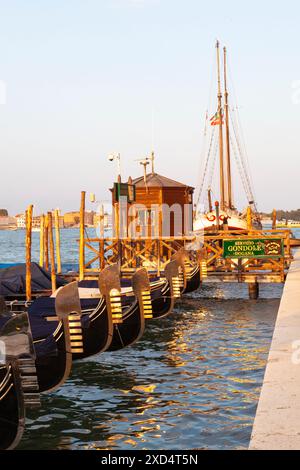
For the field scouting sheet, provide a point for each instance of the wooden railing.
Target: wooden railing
(132, 253)
(155, 253)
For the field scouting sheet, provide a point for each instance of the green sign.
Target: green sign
(124, 190)
(254, 248)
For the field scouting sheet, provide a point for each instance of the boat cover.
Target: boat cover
(13, 279)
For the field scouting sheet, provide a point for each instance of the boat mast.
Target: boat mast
(228, 157)
(221, 144)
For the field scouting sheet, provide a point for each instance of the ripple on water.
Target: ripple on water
(192, 382)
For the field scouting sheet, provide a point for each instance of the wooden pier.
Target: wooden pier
(277, 421)
(130, 254)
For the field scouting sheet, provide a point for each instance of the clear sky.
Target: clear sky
(88, 77)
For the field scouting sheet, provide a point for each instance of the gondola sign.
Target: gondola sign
(253, 248)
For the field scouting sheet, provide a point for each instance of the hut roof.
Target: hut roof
(155, 180)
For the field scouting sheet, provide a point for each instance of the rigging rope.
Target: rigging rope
(205, 133)
(240, 131)
(242, 166)
(206, 166)
(238, 162)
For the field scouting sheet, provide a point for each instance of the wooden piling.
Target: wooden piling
(57, 240)
(274, 219)
(253, 290)
(81, 240)
(28, 243)
(101, 243)
(46, 243)
(42, 240)
(52, 253)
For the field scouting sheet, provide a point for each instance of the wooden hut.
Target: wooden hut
(158, 207)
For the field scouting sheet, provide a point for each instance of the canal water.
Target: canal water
(192, 382)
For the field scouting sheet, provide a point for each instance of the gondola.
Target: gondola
(164, 290)
(19, 388)
(56, 338)
(190, 271)
(163, 304)
(131, 319)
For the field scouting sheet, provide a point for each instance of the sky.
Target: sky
(82, 79)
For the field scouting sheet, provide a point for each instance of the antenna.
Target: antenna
(149, 160)
(145, 162)
(152, 158)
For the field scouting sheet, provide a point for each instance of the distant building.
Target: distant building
(21, 220)
(7, 223)
(72, 219)
(3, 213)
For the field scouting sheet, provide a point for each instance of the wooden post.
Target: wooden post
(46, 243)
(101, 221)
(42, 240)
(274, 219)
(101, 244)
(158, 256)
(117, 231)
(57, 240)
(253, 290)
(28, 251)
(217, 215)
(81, 240)
(52, 254)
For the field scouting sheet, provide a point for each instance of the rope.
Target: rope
(240, 129)
(206, 166)
(205, 132)
(239, 167)
(242, 165)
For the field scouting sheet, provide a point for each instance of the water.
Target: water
(12, 248)
(192, 382)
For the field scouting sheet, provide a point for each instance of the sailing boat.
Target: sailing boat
(224, 214)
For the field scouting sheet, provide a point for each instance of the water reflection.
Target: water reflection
(192, 382)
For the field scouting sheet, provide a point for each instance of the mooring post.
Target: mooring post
(57, 240)
(253, 288)
(28, 218)
(52, 253)
(102, 241)
(46, 243)
(274, 219)
(81, 240)
(42, 241)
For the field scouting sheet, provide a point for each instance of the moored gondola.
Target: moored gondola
(190, 271)
(56, 338)
(19, 388)
(131, 324)
(164, 290)
(163, 299)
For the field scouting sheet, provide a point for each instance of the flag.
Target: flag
(216, 119)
